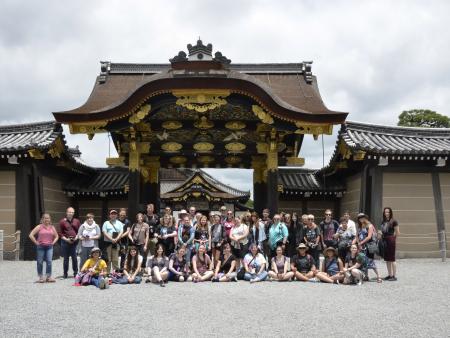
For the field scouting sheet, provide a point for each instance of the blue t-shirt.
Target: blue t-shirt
(110, 228)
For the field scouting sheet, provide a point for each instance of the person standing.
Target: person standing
(167, 234)
(267, 224)
(278, 235)
(152, 219)
(328, 228)
(218, 235)
(124, 238)
(239, 240)
(88, 234)
(46, 238)
(68, 232)
(257, 232)
(390, 230)
(112, 233)
(186, 234)
(139, 235)
(350, 224)
(312, 239)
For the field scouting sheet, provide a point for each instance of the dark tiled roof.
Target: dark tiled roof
(382, 140)
(287, 89)
(114, 180)
(307, 180)
(103, 180)
(22, 137)
(248, 68)
(226, 191)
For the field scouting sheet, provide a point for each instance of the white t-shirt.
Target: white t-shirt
(351, 226)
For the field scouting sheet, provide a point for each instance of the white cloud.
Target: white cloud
(372, 59)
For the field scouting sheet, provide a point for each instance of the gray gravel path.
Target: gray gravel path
(409, 307)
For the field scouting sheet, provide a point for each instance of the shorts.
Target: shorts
(176, 278)
(241, 252)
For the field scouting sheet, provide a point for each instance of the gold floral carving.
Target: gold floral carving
(272, 160)
(205, 160)
(259, 166)
(313, 128)
(201, 100)
(232, 160)
(178, 160)
(172, 125)
(203, 123)
(261, 147)
(57, 148)
(262, 114)
(295, 161)
(171, 147)
(115, 161)
(235, 125)
(203, 147)
(140, 114)
(359, 155)
(235, 147)
(87, 127)
(36, 154)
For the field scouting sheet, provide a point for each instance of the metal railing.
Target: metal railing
(16, 243)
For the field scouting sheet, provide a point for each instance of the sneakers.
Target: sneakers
(254, 280)
(313, 280)
(102, 284)
(392, 279)
(161, 284)
(148, 280)
(387, 278)
(234, 279)
(215, 280)
(359, 282)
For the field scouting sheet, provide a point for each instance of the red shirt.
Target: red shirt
(68, 229)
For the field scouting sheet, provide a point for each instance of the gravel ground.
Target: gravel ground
(408, 307)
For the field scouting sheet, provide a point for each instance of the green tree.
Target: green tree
(423, 118)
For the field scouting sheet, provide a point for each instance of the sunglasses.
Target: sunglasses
(327, 214)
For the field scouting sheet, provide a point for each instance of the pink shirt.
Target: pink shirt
(46, 235)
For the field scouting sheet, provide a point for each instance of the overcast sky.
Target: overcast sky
(372, 59)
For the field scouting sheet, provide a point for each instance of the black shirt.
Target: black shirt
(225, 265)
(303, 263)
(153, 224)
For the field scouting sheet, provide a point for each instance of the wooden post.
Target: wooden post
(1, 245)
(17, 245)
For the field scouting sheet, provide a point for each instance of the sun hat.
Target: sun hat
(95, 250)
(113, 211)
(302, 246)
(328, 249)
(362, 215)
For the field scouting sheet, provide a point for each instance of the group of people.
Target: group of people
(217, 247)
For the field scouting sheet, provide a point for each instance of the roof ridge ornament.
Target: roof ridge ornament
(201, 53)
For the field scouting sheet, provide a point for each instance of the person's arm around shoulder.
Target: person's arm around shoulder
(33, 234)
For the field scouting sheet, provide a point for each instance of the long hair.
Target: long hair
(129, 258)
(391, 214)
(159, 245)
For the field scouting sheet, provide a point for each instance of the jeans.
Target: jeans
(124, 280)
(261, 276)
(95, 280)
(44, 253)
(84, 255)
(69, 250)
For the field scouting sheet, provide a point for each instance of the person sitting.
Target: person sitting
(344, 237)
(157, 267)
(355, 268)
(202, 266)
(93, 271)
(254, 265)
(332, 268)
(303, 265)
(178, 267)
(225, 266)
(131, 269)
(280, 267)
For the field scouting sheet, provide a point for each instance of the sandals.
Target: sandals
(40, 280)
(379, 280)
(50, 280)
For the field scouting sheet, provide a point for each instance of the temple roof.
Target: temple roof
(379, 139)
(23, 137)
(113, 181)
(309, 181)
(287, 89)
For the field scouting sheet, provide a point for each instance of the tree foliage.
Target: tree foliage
(423, 118)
